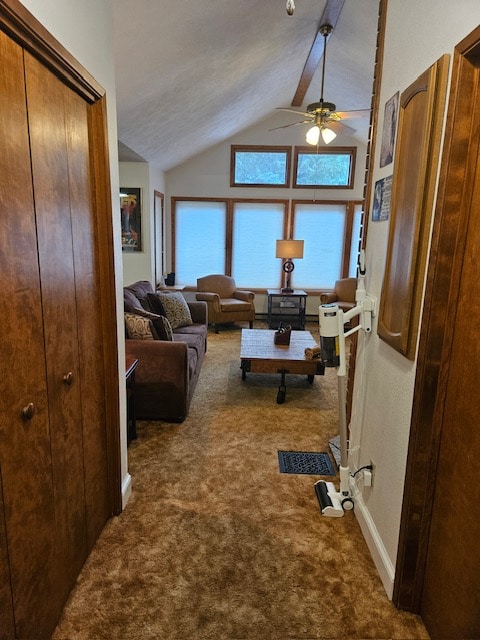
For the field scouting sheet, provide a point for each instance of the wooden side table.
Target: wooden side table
(130, 366)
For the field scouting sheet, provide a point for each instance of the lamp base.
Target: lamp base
(287, 290)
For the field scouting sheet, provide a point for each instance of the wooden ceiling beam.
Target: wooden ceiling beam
(330, 15)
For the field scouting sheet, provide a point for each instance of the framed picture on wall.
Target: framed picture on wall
(381, 199)
(131, 217)
(389, 130)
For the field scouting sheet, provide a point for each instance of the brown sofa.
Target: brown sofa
(167, 371)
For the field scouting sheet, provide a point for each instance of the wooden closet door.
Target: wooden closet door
(28, 513)
(88, 304)
(48, 100)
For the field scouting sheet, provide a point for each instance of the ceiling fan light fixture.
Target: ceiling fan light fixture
(327, 135)
(313, 135)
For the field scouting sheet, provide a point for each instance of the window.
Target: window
(237, 237)
(256, 227)
(356, 236)
(200, 234)
(322, 227)
(332, 168)
(331, 231)
(260, 166)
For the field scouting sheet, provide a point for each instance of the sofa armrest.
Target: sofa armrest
(328, 298)
(199, 312)
(248, 296)
(157, 356)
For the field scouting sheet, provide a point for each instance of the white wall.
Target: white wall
(85, 30)
(418, 33)
(208, 175)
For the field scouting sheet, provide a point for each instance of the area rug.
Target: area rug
(306, 462)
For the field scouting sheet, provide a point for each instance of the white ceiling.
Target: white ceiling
(193, 73)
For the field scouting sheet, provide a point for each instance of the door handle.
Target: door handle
(28, 412)
(68, 378)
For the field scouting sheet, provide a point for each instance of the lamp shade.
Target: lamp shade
(289, 249)
(313, 135)
(328, 135)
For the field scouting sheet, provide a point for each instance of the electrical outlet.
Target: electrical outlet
(372, 464)
(367, 478)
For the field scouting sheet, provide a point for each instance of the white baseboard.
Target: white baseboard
(126, 489)
(374, 542)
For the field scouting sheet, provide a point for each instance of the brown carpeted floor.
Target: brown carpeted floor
(216, 544)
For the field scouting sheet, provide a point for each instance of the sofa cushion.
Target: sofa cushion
(176, 308)
(141, 288)
(195, 342)
(130, 300)
(138, 327)
(195, 329)
(233, 304)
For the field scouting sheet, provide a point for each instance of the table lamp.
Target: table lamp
(289, 249)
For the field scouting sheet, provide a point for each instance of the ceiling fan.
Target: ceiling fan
(323, 115)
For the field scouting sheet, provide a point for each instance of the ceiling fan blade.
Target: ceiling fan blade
(284, 126)
(358, 113)
(339, 127)
(330, 15)
(301, 113)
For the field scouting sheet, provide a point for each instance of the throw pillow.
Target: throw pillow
(176, 308)
(162, 329)
(138, 327)
(155, 304)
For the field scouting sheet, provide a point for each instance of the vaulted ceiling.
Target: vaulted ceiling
(193, 73)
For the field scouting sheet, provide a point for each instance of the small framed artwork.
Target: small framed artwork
(381, 199)
(131, 216)
(389, 130)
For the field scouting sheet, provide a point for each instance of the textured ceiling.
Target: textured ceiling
(192, 73)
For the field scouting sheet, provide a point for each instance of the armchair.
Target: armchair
(225, 302)
(343, 294)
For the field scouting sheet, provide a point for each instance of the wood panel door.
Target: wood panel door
(451, 589)
(88, 299)
(59, 415)
(53, 436)
(25, 457)
(416, 156)
(48, 116)
(438, 565)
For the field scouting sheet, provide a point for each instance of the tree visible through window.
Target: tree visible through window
(260, 166)
(326, 168)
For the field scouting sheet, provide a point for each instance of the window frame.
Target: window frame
(286, 149)
(299, 151)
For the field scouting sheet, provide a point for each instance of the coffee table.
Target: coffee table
(259, 354)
